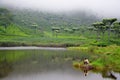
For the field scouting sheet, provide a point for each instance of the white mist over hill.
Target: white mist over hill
(107, 8)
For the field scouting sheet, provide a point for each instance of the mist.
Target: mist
(106, 8)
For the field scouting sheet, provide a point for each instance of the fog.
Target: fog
(107, 8)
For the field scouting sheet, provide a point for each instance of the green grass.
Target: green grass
(17, 36)
(12, 30)
(108, 56)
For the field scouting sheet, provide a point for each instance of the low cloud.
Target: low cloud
(108, 8)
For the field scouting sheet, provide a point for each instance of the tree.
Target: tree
(103, 29)
(75, 29)
(116, 27)
(5, 17)
(90, 29)
(35, 26)
(99, 28)
(108, 22)
(55, 30)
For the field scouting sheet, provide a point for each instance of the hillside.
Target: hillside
(30, 27)
(46, 20)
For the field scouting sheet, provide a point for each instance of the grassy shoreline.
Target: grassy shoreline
(15, 44)
(108, 59)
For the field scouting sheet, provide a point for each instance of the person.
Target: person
(86, 61)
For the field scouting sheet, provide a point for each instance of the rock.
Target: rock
(86, 67)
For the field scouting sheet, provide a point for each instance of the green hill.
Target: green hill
(30, 27)
(12, 30)
(46, 20)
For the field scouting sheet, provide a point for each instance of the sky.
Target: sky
(108, 8)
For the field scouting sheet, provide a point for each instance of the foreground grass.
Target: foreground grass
(108, 56)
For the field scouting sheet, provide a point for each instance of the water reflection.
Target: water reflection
(43, 65)
(106, 73)
(5, 68)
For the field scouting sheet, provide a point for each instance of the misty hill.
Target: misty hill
(31, 22)
(45, 20)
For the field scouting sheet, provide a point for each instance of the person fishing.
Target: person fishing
(86, 65)
(86, 61)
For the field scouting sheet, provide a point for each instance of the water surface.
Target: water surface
(45, 64)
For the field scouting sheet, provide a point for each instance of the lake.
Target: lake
(38, 63)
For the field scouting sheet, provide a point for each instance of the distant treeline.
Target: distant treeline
(45, 20)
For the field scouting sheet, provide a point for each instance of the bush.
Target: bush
(100, 44)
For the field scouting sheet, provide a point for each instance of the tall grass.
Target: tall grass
(108, 57)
